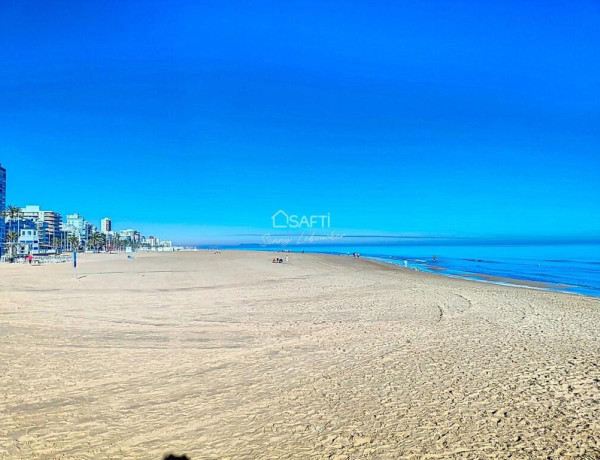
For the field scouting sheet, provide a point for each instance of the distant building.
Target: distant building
(29, 242)
(78, 226)
(132, 235)
(153, 243)
(105, 225)
(2, 207)
(48, 225)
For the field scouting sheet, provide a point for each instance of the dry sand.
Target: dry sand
(230, 356)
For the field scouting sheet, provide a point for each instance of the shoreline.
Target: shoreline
(470, 276)
(494, 280)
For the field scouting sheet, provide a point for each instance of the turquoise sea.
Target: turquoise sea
(571, 268)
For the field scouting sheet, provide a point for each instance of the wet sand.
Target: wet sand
(517, 282)
(230, 356)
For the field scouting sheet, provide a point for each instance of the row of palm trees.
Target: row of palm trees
(98, 242)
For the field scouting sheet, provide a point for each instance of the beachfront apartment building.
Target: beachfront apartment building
(16, 225)
(132, 235)
(29, 242)
(2, 207)
(2, 188)
(155, 244)
(105, 225)
(49, 225)
(26, 231)
(76, 225)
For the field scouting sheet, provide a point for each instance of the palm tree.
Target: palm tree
(100, 240)
(119, 242)
(13, 213)
(115, 241)
(91, 241)
(73, 242)
(11, 243)
(96, 241)
(56, 244)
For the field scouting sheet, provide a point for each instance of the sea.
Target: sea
(573, 268)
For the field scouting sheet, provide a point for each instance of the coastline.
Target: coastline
(497, 280)
(230, 355)
(482, 277)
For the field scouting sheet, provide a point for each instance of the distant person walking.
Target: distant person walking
(30, 258)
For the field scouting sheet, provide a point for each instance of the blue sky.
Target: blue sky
(201, 119)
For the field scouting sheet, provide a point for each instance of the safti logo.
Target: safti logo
(282, 219)
(310, 229)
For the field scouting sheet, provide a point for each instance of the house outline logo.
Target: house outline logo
(280, 219)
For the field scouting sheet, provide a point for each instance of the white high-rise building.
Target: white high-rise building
(2, 207)
(106, 225)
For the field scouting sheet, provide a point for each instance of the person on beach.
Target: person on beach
(30, 258)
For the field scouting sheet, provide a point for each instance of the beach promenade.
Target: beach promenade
(231, 356)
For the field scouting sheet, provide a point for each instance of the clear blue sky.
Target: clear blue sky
(199, 118)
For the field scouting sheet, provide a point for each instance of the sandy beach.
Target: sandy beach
(231, 356)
